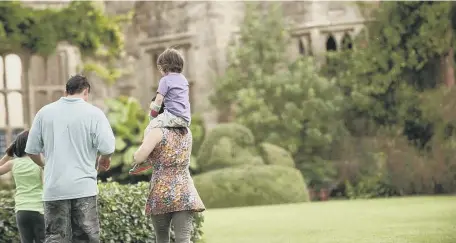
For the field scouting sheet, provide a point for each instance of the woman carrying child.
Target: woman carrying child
(173, 94)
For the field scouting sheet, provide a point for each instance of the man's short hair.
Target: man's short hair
(76, 84)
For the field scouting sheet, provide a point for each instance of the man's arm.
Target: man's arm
(34, 145)
(37, 159)
(105, 142)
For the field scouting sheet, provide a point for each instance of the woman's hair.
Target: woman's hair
(17, 148)
(170, 61)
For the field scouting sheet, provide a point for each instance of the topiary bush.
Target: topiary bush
(227, 145)
(275, 155)
(121, 210)
(250, 186)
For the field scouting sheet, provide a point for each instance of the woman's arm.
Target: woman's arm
(5, 159)
(150, 141)
(5, 168)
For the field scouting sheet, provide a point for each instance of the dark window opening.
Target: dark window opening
(302, 50)
(331, 44)
(347, 43)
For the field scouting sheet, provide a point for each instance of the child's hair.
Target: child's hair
(171, 61)
(18, 146)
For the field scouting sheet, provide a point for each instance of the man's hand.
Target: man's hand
(104, 162)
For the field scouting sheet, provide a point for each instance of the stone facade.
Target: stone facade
(201, 30)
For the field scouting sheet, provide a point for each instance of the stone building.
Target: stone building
(201, 30)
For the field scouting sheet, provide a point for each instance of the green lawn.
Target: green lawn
(398, 220)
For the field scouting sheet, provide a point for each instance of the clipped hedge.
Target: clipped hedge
(8, 229)
(121, 210)
(275, 155)
(250, 186)
(227, 145)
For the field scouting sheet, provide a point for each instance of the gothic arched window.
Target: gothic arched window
(302, 49)
(331, 44)
(347, 43)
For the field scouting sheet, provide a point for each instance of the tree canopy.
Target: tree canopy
(409, 52)
(282, 101)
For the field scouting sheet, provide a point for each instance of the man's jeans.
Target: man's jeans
(74, 220)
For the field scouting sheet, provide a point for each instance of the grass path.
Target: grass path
(398, 220)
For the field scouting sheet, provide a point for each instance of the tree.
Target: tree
(256, 54)
(284, 102)
(409, 45)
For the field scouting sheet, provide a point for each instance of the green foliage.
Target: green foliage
(275, 155)
(108, 73)
(250, 186)
(403, 58)
(198, 132)
(121, 212)
(227, 145)
(393, 82)
(234, 174)
(310, 109)
(257, 57)
(38, 31)
(371, 184)
(8, 229)
(6, 184)
(386, 164)
(128, 121)
(282, 101)
(194, 167)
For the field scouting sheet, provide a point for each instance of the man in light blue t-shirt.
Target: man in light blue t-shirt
(71, 132)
